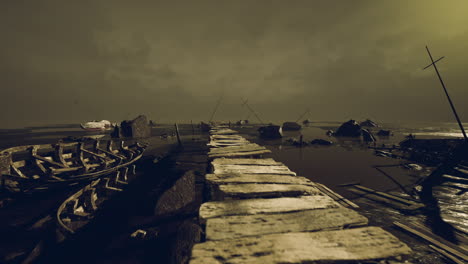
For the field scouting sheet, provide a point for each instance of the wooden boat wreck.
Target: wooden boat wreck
(42, 167)
(80, 208)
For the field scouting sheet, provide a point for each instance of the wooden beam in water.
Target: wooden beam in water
(436, 240)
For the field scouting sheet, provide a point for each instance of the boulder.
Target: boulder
(136, 128)
(181, 194)
(369, 123)
(291, 126)
(349, 129)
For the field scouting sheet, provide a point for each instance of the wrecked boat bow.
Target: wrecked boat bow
(42, 167)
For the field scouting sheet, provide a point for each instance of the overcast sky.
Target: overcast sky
(73, 61)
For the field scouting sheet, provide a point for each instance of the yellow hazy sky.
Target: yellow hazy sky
(72, 61)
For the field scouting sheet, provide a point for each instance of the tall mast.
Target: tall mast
(216, 108)
(252, 111)
(433, 63)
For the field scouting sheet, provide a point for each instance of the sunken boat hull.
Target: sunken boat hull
(34, 168)
(291, 126)
(271, 132)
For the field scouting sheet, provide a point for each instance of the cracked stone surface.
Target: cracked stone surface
(257, 178)
(261, 224)
(253, 190)
(266, 162)
(273, 205)
(303, 247)
(252, 169)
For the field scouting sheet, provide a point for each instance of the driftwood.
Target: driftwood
(340, 199)
(436, 240)
(392, 200)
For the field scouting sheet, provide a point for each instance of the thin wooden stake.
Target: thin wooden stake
(177, 133)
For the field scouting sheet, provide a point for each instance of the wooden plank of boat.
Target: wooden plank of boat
(231, 178)
(267, 190)
(248, 147)
(252, 169)
(303, 247)
(257, 206)
(302, 221)
(266, 162)
(240, 154)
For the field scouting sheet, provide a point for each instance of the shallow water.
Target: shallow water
(349, 160)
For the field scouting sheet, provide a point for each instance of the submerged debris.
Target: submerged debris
(349, 129)
(271, 132)
(291, 126)
(383, 133)
(322, 142)
(412, 166)
(367, 136)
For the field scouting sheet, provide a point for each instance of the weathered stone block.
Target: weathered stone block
(229, 178)
(258, 206)
(341, 246)
(187, 235)
(178, 196)
(267, 190)
(262, 224)
(136, 128)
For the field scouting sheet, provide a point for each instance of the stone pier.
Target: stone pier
(262, 212)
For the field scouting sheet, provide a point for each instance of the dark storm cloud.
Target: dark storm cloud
(70, 61)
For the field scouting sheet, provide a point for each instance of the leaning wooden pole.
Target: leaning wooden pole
(433, 63)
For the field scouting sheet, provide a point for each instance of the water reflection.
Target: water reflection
(352, 160)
